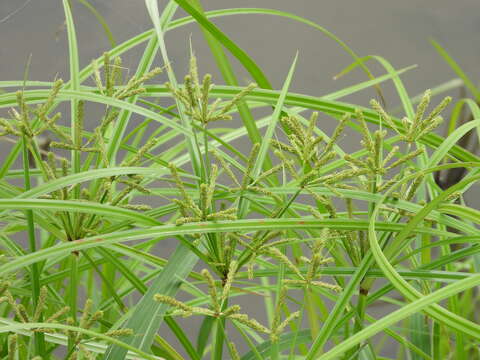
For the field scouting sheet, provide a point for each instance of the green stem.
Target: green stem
(217, 353)
(365, 285)
(275, 349)
(73, 293)
(39, 337)
(109, 278)
(313, 318)
(230, 78)
(245, 256)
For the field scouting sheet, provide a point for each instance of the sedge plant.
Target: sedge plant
(319, 232)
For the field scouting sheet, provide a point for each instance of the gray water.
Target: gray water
(397, 30)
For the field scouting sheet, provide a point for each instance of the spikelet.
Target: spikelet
(107, 74)
(251, 323)
(228, 214)
(22, 313)
(406, 158)
(119, 332)
(383, 115)
(341, 175)
(335, 288)
(453, 196)
(24, 117)
(250, 164)
(53, 318)
(238, 97)
(413, 129)
(267, 173)
(287, 163)
(354, 161)
(390, 155)
(133, 161)
(185, 220)
(284, 147)
(326, 202)
(43, 108)
(40, 304)
(277, 254)
(336, 133)
(133, 85)
(367, 137)
(136, 186)
(137, 207)
(233, 351)
(4, 285)
(97, 78)
(212, 290)
(414, 186)
(8, 129)
(422, 106)
(164, 299)
(187, 203)
(234, 309)
(432, 125)
(284, 323)
(195, 97)
(87, 308)
(387, 184)
(229, 280)
(12, 346)
(225, 167)
(80, 117)
(107, 120)
(435, 112)
(263, 191)
(278, 309)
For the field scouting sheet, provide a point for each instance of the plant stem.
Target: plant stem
(217, 353)
(39, 337)
(73, 289)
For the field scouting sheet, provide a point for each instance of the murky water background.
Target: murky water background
(399, 31)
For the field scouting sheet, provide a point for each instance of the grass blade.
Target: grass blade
(147, 317)
(101, 20)
(457, 69)
(265, 145)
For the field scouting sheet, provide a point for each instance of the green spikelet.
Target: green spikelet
(383, 115)
(119, 332)
(422, 106)
(40, 304)
(281, 327)
(12, 346)
(237, 98)
(250, 164)
(97, 78)
(336, 133)
(79, 123)
(287, 163)
(438, 109)
(277, 254)
(212, 290)
(225, 167)
(87, 308)
(234, 309)
(173, 302)
(414, 186)
(233, 351)
(251, 323)
(229, 280)
(406, 158)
